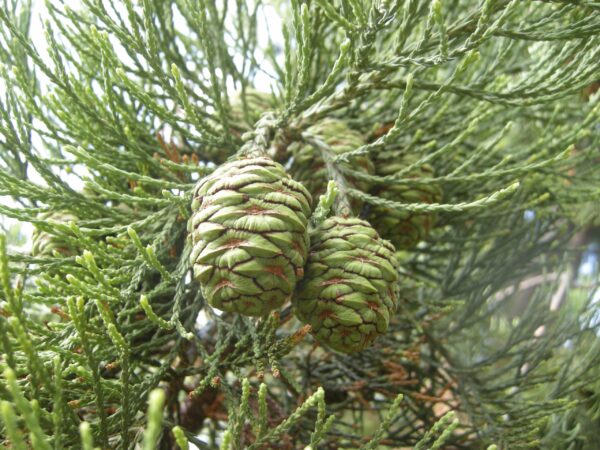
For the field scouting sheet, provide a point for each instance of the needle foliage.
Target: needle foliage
(110, 113)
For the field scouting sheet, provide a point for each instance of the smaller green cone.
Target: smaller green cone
(350, 286)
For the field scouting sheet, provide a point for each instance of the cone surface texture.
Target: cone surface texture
(249, 234)
(350, 287)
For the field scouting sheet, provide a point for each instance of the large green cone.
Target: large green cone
(401, 228)
(45, 243)
(350, 287)
(308, 165)
(249, 234)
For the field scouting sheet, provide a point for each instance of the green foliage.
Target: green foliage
(308, 166)
(111, 118)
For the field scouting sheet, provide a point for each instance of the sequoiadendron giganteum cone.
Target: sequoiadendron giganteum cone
(350, 285)
(250, 237)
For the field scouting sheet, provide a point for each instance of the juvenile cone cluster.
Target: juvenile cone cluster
(45, 243)
(249, 233)
(350, 285)
(249, 229)
(403, 229)
(309, 167)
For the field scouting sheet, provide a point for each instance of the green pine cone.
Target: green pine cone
(350, 288)
(308, 166)
(401, 228)
(45, 243)
(249, 232)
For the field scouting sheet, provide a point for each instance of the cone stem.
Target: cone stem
(341, 206)
(257, 142)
